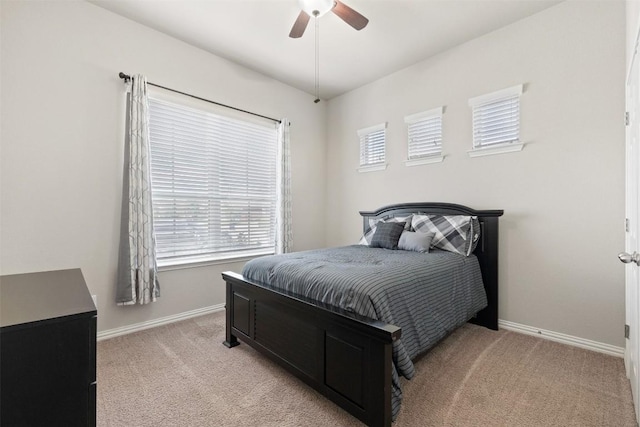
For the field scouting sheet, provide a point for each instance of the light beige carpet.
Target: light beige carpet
(181, 375)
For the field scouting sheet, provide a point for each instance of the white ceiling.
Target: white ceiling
(254, 33)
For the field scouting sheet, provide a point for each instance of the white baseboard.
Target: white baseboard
(116, 332)
(502, 324)
(562, 338)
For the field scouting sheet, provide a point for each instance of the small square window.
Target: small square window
(496, 121)
(372, 148)
(424, 131)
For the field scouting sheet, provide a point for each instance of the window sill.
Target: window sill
(208, 261)
(372, 168)
(498, 149)
(424, 160)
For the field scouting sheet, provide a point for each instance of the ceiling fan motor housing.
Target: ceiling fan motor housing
(316, 8)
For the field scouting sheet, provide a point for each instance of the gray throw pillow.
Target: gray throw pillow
(387, 235)
(373, 223)
(415, 241)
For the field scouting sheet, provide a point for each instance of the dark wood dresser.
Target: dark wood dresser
(47, 350)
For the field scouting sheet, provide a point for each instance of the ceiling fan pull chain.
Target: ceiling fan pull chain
(317, 88)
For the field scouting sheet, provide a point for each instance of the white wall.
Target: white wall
(62, 145)
(633, 25)
(563, 195)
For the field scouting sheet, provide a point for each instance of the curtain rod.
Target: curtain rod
(127, 77)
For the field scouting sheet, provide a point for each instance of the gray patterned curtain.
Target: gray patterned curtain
(284, 234)
(137, 267)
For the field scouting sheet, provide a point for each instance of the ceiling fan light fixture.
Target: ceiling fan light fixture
(321, 6)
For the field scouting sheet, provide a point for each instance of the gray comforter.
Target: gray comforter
(426, 295)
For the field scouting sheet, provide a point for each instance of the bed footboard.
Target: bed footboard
(346, 358)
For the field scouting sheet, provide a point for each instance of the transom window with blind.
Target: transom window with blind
(496, 122)
(424, 132)
(213, 184)
(372, 148)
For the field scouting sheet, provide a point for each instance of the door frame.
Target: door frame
(632, 224)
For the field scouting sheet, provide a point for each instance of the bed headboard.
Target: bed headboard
(486, 251)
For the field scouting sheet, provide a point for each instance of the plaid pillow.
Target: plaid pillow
(474, 234)
(387, 235)
(454, 233)
(373, 223)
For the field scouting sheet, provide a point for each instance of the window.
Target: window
(213, 184)
(496, 122)
(424, 137)
(372, 148)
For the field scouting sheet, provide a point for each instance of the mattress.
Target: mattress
(427, 295)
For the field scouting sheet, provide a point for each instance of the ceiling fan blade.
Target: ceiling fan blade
(300, 25)
(350, 16)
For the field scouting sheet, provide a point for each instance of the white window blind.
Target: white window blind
(424, 134)
(372, 145)
(213, 184)
(496, 117)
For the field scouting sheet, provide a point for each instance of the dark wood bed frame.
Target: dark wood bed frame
(345, 357)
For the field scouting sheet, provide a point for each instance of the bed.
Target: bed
(343, 342)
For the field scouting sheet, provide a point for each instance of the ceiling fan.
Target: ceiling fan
(318, 8)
